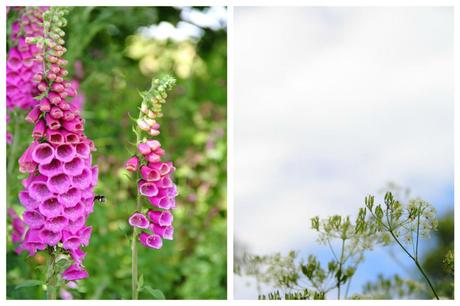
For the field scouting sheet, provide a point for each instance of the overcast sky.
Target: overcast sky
(330, 105)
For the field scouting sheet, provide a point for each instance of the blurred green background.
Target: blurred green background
(114, 52)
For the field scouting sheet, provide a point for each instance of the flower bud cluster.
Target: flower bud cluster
(150, 109)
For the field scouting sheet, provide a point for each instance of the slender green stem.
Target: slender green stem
(340, 269)
(134, 250)
(332, 249)
(134, 257)
(14, 146)
(348, 287)
(418, 234)
(426, 278)
(416, 263)
(51, 281)
(11, 161)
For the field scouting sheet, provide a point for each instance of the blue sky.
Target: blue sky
(330, 105)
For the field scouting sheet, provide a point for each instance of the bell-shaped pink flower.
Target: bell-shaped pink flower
(74, 212)
(56, 224)
(73, 125)
(138, 220)
(34, 219)
(70, 198)
(51, 169)
(152, 158)
(65, 294)
(83, 150)
(132, 164)
(39, 130)
(163, 168)
(55, 137)
(165, 232)
(143, 148)
(162, 218)
(94, 176)
(74, 272)
(39, 191)
(82, 180)
(151, 241)
(153, 144)
(75, 225)
(65, 152)
(19, 227)
(56, 113)
(33, 115)
(74, 167)
(50, 237)
(59, 183)
(70, 241)
(52, 123)
(33, 242)
(148, 189)
(14, 60)
(73, 138)
(85, 234)
(26, 162)
(89, 205)
(45, 105)
(50, 208)
(43, 153)
(150, 174)
(165, 182)
(77, 255)
(163, 202)
(28, 202)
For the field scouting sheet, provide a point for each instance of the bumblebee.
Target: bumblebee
(99, 198)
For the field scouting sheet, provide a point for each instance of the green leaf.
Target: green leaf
(29, 283)
(140, 283)
(155, 293)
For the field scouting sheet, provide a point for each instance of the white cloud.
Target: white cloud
(165, 30)
(330, 104)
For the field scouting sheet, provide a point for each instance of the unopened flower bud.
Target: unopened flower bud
(143, 125)
(132, 164)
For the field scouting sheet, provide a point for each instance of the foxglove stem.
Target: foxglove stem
(51, 277)
(134, 250)
(14, 147)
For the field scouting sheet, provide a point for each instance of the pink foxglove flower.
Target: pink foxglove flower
(23, 70)
(19, 227)
(58, 194)
(132, 164)
(21, 66)
(155, 183)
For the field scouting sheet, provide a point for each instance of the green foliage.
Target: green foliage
(438, 262)
(193, 265)
(449, 262)
(390, 288)
(300, 295)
